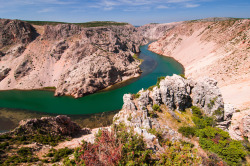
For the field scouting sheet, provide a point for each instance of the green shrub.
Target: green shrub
(24, 151)
(196, 111)
(158, 134)
(4, 145)
(156, 107)
(187, 131)
(219, 142)
(159, 80)
(179, 154)
(129, 118)
(203, 122)
(61, 153)
(183, 76)
(135, 56)
(218, 112)
(57, 155)
(24, 155)
(151, 87)
(136, 96)
(152, 114)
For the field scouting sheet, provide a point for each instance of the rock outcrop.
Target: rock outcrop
(60, 125)
(177, 94)
(15, 32)
(240, 125)
(207, 96)
(75, 60)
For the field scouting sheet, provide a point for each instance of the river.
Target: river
(153, 66)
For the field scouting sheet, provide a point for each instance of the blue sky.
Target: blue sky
(136, 12)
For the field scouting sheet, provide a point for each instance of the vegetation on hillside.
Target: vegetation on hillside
(86, 24)
(121, 146)
(214, 139)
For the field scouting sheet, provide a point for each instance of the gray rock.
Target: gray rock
(240, 125)
(15, 32)
(148, 136)
(207, 96)
(174, 92)
(60, 125)
(228, 111)
(156, 96)
(128, 103)
(144, 99)
(4, 73)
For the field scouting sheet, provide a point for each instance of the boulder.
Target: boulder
(240, 125)
(175, 92)
(207, 96)
(59, 125)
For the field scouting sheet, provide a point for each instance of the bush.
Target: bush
(196, 111)
(105, 151)
(24, 151)
(203, 122)
(156, 107)
(61, 153)
(4, 145)
(219, 142)
(136, 96)
(159, 80)
(179, 154)
(183, 76)
(158, 134)
(187, 131)
(24, 155)
(151, 88)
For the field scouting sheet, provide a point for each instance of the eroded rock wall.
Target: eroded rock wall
(177, 94)
(216, 48)
(75, 60)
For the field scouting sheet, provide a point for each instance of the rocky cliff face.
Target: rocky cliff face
(240, 125)
(176, 94)
(75, 60)
(218, 49)
(15, 32)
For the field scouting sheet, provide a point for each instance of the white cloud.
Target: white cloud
(162, 7)
(46, 10)
(191, 5)
(129, 5)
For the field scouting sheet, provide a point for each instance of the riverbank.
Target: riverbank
(153, 66)
(86, 111)
(10, 118)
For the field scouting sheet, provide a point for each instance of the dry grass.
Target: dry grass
(185, 118)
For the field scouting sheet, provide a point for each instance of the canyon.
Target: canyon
(73, 60)
(215, 48)
(212, 98)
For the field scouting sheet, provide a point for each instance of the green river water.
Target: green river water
(153, 66)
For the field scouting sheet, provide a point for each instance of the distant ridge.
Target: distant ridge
(85, 24)
(216, 19)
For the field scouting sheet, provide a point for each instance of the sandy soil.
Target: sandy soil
(218, 50)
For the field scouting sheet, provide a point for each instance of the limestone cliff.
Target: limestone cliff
(216, 48)
(74, 60)
(175, 94)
